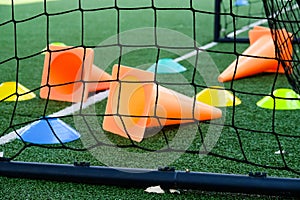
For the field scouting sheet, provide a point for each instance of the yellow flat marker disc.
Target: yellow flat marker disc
(217, 96)
(285, 99)
(8, 92)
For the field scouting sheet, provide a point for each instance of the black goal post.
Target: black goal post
(166, 177)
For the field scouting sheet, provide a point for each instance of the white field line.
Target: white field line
(246, 28)
(100, 96)
(212, 44)
(66, 111)
(195, 52)
(20, 2)
(259, 22)
(77, 106)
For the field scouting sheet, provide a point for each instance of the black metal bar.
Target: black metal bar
(228, 39)
(217, 24)
(128, 177)
(218, 27)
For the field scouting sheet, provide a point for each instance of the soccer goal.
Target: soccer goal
(234, 17)
(139, 94)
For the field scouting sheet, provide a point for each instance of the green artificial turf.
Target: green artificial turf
(248, 132)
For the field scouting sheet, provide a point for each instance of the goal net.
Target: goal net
(134, 85)
(284, 15)
(234, 17)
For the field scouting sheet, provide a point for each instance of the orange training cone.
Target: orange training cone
(65, 70)
(283, 40)
(257, 32)
(261, 45)
(135, 103)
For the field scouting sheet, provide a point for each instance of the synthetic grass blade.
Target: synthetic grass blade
(49, 131)
(217, 96)
(8, 92)
(167, 66)
(285, 99)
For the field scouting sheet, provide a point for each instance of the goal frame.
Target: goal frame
(167, 178)
(218, 27)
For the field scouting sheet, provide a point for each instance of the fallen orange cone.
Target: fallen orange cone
(259, 57)
(257, 32)
(135, 102)
(66, 69)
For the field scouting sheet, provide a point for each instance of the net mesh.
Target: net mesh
(247, 138)
(284, 15)
(241, 16)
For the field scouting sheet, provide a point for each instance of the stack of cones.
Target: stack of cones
(69, 74)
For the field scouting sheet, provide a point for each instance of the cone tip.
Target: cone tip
(208, 112)
(217, 113)
(221, 78)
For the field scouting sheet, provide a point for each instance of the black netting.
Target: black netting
(284, 16)
(246, 138)
(234, 18)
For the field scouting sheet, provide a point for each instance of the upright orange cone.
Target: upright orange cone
(135, 102)
(259, 57)
(65, 70)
